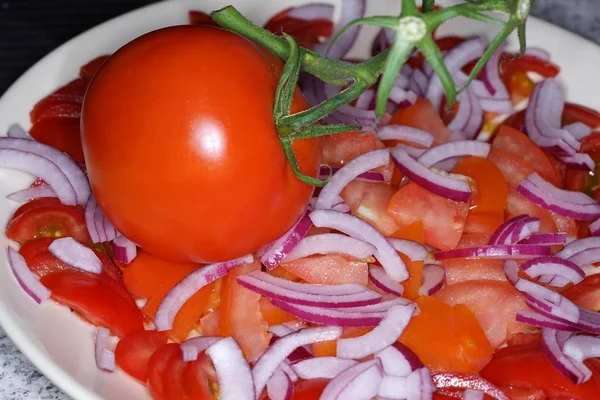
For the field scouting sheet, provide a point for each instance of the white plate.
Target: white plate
(56, 341)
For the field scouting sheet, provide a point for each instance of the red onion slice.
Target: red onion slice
(578, 246)
(469, 118)
(579, 130)
(124, 250)
(322, 367)
(188, 286)
(441, 185)
(312, 11)
(272, 255)
(69, 168)
(349, 172)
(331, 316)
(536, 319)
(413, 250)
(384, 306)
(417, 385)
(433, 279)
(565, 195)
(582, 347)
(351, 10)
(454, 149)
(554, 266)
(268, 363)
(580, 161)
(356, 383)
(383, 335)
(36, 192)
(324, 290)
(73, 253)
(455, 60)
(418, 82)
(42, 168)
(503, 233)
(269, 286)
(572, 369)
(491, 75)
(16, 131)
(280, 386)
(595, 228)
(586, 257)
(547, 239)
(582, 212)
(398, 360)
(194, 346)
(523, 228)
(400, 97)
(356, 227)
(499, 252)
(105, 358)
(328, 243)
(233, 372)
(371, 176)
(383, 281)
(414, 152)
(26, 279)
(405, 133)
(366, 100)
(542, 119)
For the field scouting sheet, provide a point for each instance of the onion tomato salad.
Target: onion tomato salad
(450, 250)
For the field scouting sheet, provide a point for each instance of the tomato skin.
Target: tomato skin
(307, 32)
(200, 378)
(157, 365)
(47, 218)
(524, 366)
(133, 352)
(586, 293)
(98, 300)
(161, 98)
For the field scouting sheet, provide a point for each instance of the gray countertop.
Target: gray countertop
(19, 380)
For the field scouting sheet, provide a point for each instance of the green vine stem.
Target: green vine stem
(413, 30)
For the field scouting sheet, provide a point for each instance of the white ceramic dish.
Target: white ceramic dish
(59, 343)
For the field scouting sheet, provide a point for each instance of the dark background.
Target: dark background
(30, 29)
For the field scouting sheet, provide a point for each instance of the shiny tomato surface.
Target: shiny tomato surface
(181, 148)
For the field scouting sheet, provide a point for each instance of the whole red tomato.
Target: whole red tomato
(181, 148)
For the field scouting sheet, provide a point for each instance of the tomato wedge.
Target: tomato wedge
(331, 269)
(310, 389)
(341, 148)
(98, 300)
(447, 338)
(586, 293)
(423, 115)
(525, 367)
(133, 352)
(47, 218)
(200, 379)
(157, 366)
(443, 219)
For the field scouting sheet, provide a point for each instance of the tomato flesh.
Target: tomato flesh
(133, 352)
(195, 134)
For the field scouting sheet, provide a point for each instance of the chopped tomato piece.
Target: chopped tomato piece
(423, 115)
(47, 218)
(72, 93)
(41, 262)
(273, 315)
(307, 32)
(519, 85)
(310, 389)
(518, 205)
(519, 145)
(513, 167)
(473, 269)
(100, 302)
(133, 352)
(173, 378)
(341, 148)
(200, 379)
(59, 127)
(524, 338)
(333, 269)
(495, 305)
(586, 293)
(443, 219)
(412, 285)
(577, 113)
(369, 201)
(447, 338)
(157, 366)
(90, 69)
(209, 324)
(240, 315)
(525, 367)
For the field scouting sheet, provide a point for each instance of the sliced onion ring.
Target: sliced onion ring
(356, 227)
(190, 348)
(515, 251)
(398, 360)
(356, 383)
(280, 386)
(233, 371)
(572, 369)
(553, 266)
(188, 286)
(331, 316)
(459, 148)
(381, 279)
(268, 363)
(124, 250)
(31, 193)
(405, 133)
(432, 280)
(322, 367)
(327, 243)
(272, 255)
(351, 10)
(441, 185)
(73, 253)
(105, 358)
(26, 279)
